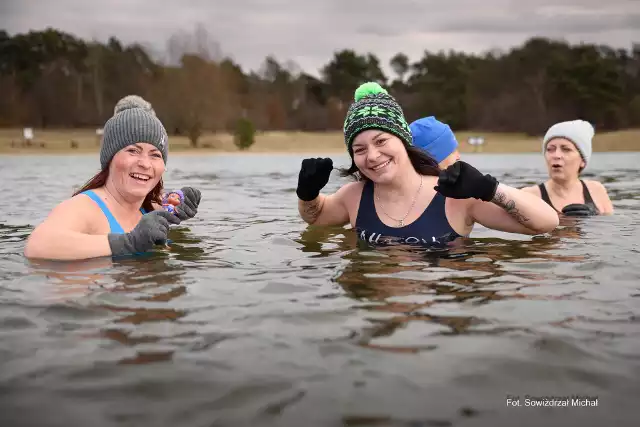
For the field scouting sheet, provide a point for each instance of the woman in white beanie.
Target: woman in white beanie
(567, 151)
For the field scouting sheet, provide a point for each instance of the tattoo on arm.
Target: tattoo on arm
(311, 210)
(500, 199)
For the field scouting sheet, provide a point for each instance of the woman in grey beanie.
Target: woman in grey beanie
(567, 152)
(118, 211)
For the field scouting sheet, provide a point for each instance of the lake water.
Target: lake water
(251, 319)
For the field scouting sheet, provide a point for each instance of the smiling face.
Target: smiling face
(136, 169)
(379, 155)
(563, 159)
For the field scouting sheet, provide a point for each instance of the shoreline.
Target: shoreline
(59, 142)
(176, 153)
(263, 152)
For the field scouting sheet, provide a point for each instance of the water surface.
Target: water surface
(251, 318)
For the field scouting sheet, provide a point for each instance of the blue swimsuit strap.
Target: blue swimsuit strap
(114, 225)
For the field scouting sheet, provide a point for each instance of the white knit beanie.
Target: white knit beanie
(579, 132)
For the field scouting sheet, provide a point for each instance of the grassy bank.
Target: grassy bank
(85, 141)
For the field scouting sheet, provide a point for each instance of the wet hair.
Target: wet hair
(100, 179)
(422, 162)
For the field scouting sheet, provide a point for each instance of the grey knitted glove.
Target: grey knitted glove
(189, 206)
(151, 230)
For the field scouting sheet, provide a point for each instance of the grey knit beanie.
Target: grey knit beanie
(133, 101)
(132, 123)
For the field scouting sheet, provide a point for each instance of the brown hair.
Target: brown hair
(422, 162)
(100, 179)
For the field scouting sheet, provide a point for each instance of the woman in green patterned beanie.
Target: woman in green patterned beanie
(400, 195)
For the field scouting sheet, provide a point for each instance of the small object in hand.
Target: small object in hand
(578, 209)
(172, 199)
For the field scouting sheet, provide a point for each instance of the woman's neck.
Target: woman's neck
(403, 186)
(126, 203)
(564, 187)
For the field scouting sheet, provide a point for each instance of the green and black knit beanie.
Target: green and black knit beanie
(374, 108)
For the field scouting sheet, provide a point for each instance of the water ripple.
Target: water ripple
(251, 318)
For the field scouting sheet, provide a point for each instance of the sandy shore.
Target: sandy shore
(60, 142)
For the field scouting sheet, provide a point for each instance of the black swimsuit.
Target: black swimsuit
(585, 194)
(431, 229)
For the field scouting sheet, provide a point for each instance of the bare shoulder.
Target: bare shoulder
(74, 213)
(533, 189)
(350, 189)
(600, 196)
(595, 186)
(348, 192)
(79, 202)
(349, 196)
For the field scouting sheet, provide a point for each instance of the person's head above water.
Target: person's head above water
(132, 123)
(378, 137)
(133, 154)
(374, 108)
(567, 148)
(437, 139)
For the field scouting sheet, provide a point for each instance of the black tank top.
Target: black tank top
(585, 194)
(432, 227)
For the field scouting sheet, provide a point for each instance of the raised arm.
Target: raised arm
(327, 209)
(500, 206)
(515, 211)
(316, 208)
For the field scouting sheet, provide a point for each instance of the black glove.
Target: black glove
(314, 175)
(463, 181)
(151, 230)
(189, 206)
(578, 209)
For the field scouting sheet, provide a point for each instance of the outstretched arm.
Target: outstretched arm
(325, 209)
(515, 211)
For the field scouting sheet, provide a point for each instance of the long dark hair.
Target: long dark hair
(422, 162)
(100, 179)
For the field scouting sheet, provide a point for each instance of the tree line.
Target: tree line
(52, 79)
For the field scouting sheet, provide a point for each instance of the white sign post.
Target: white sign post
(27, 134)
(476, 142)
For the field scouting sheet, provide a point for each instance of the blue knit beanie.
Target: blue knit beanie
(434, 137)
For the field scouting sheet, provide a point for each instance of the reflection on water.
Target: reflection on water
(251, 318)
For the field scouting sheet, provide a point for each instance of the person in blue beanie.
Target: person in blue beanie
(437, 139)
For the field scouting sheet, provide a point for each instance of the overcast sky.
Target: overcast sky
(307, 32)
